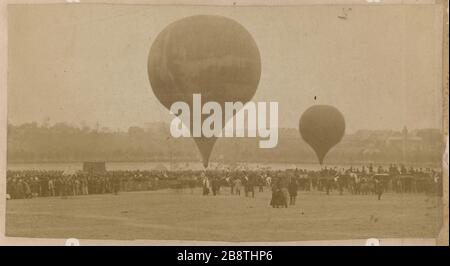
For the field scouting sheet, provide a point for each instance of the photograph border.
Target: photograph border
(442, 239)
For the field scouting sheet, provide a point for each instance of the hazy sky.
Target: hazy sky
(380, 66)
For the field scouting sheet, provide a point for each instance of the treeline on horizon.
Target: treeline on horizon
(61, 142)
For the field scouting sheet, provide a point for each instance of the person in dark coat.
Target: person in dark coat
(278, 199)
(378, 188)
(215, 186)
(251, 185)
(292, 188)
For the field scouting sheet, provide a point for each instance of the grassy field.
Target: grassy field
(168, 215)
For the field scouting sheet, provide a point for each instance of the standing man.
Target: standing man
(284, 184)
(237, 185)
(378, 187)
(231, 182)
(215, 186)
(292, 188)
(205, 184)
(251, 185)
(261, 181)
(51, 187)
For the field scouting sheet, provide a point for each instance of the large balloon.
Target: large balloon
(322, 127)
(210, 55)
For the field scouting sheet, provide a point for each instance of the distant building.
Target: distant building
(405, 142)
(158, 129)
(94, 167)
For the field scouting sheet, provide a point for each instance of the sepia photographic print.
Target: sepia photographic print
(226, 122)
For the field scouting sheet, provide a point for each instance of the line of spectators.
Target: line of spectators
(47, 183)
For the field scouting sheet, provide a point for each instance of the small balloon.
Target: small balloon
(322, 127)
(209, 55)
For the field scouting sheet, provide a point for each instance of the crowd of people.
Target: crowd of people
(284, 184)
